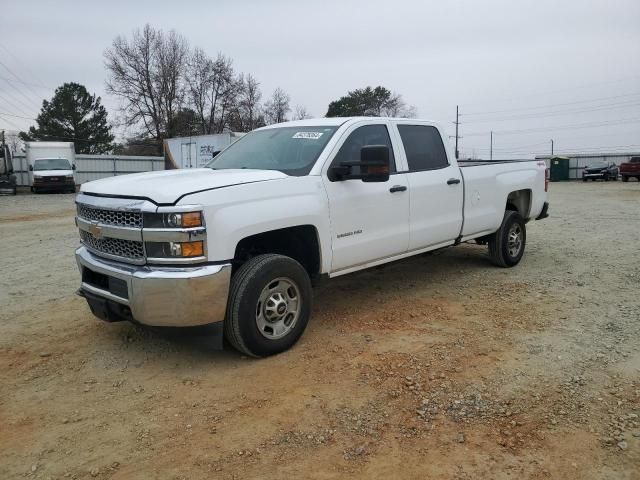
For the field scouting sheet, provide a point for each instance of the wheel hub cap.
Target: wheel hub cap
(278, 308)
(514, 242)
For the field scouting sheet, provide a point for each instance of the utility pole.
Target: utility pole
(491, 147)
(457, 136)
(552, 147)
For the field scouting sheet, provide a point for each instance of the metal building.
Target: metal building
(94, 167)
(577, 162)
(196, 151)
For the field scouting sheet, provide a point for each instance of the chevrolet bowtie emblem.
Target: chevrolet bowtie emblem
(95, 230)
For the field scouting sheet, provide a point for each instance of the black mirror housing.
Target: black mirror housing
(73, 167)
(31, 168)
(373, 164)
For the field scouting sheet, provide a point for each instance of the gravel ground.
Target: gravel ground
(439, 366)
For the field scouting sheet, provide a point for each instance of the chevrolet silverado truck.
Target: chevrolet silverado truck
(235, 246)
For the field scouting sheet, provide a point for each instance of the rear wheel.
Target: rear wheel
(506, 246)
(584, 179)
(625, 179)
(269, 305)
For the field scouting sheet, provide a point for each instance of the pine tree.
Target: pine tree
(73, 115)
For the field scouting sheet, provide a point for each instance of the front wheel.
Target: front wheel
(269, 305)
(625, 179)
(506, 246)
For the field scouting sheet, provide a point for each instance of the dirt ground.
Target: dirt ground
(438, 367)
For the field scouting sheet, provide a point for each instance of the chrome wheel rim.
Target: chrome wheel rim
(278, 308)
(514, 240)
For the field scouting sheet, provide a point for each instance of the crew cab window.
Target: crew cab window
(363, 137)
(423, 147)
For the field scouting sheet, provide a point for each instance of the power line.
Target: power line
(18, 78)
(16, 116)
(526, 116)
(11, 123)
(564, 104)
(573, 88)
(560, 127)
(10, 80)
(26, 69)
(12, 104)
(16, 99)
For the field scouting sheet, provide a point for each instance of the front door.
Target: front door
(369, 220)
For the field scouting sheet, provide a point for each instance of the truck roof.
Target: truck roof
(336, 121)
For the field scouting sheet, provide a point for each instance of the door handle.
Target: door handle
(397, 188)
(453, 181)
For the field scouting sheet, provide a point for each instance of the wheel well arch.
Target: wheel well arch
(300, 242)
(519, 201)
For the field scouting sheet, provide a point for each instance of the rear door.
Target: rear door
(435, 186)
(369, 220)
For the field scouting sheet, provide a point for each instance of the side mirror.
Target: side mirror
(31, 168)
(73, 167)
(373, 166)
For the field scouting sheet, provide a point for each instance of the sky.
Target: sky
(530, 71)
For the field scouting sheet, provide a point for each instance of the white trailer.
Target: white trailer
(196, 151)
(51, 166)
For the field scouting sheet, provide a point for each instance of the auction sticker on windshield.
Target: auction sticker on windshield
(308, 135)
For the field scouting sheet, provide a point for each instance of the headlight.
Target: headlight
(175, 249)
(69, 177)
(173, 220)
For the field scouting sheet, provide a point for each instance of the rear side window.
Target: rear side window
(363, 137)
(423, 147)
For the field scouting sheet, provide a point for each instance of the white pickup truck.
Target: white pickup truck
(236, 245)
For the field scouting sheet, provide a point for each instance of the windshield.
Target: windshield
(290, 150)
(598, 165)
(51, 164)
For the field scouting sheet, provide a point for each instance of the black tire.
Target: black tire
(606, 178)
(247, 285)
(584, 179)
(501, 252)
(625, 179)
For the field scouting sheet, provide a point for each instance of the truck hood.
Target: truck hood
(167, 186)
(52, 173)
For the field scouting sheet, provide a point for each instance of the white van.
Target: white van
(51, 166)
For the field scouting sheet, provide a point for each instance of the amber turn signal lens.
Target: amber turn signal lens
(192, 249)
(192, 219)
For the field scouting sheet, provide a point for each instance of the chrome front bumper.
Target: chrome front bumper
(160, 296)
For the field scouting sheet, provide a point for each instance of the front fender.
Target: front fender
(240, 211)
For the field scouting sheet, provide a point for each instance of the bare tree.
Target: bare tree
(301, 113)
(249, 104)
(277, 107)
(395, 106)
(147, 73)
(213, 90)
(14, 142)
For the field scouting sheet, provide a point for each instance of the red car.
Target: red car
(630, 169)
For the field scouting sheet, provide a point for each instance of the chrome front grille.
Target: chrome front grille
(121, 218)
(127, 249)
